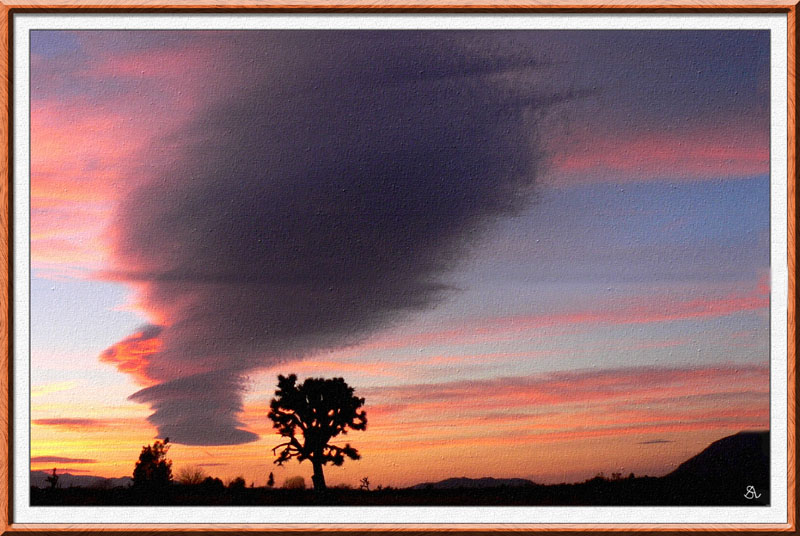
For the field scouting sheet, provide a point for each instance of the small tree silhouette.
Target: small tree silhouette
(191, 475)
(153, 470)
(52, 479)
(319, 410)
(270, 480)
(365, 484)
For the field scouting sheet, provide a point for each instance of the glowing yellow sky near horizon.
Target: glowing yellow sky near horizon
(499, 433)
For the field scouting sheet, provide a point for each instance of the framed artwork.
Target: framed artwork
(404, 268)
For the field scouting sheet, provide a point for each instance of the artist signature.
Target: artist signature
(751, 493)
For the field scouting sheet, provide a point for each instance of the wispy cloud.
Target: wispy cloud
(132, 354)
(40, 390)
(71, 423)
(60, 459)
(573, 405)
(630, 311)
(735, 151)
(639, 383)
(94, 109)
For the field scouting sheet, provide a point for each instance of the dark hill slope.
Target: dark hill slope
(724, 471)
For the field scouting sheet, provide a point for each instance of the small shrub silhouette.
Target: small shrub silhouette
(212, 485)
(294, 482)
(191, 475)
(237, 484)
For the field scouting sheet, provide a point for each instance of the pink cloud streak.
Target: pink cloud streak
(562, 406)
(87, 151)
(730, 151)
(586, 385)
(629, 312)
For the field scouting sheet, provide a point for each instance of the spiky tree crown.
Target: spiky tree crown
(319, 409)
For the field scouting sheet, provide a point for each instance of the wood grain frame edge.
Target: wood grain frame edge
(6, 273)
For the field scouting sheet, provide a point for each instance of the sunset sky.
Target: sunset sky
(536, 254)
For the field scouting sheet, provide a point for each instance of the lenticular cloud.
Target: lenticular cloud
(324, 197)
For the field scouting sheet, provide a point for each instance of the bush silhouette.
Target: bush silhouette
(191, 475)
(153, 469)
(294, 482)
(318, 410)
(212, 485)
(237, 484)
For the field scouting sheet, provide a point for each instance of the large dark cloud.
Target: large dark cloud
(324, 199)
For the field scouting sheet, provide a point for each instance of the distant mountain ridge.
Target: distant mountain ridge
(733, 463)
(485, 482)
(66, 480)
(733, 470)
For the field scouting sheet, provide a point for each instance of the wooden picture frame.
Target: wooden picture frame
(136, 520)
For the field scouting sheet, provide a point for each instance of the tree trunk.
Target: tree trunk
(318, 478)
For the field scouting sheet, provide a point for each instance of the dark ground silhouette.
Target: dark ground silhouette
(733, 471)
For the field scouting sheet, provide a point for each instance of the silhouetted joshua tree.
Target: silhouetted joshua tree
(153, 469)
(319, 409)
